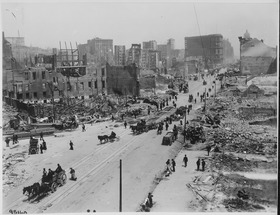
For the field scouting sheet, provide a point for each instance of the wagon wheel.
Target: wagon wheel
(63, 179)
(53, 187)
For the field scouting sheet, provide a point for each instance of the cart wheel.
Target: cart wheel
(53, 187)
(63, 179)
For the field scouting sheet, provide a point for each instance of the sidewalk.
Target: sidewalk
(172, 194)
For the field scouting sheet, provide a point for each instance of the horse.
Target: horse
(35, 188)
(133, 128)
(28, 190)
(103, 137)
(42, 189)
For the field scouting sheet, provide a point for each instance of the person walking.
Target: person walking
(41, 148)
(44, 145)
(71, 145)
(173, 165)
(208, 148)
(16, 138)
(168, 169)
(150, 198)
(198, 164)
(176, 98)
(83, 127)
(197, 93)
(188, 111)
(185, 160)
(166, 125)
(195, 100)
(41, 136)
(203, 164)
(7, 140)
(125, 124)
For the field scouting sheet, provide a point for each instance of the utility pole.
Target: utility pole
(185, 125)
(205, 101)
(120, 210)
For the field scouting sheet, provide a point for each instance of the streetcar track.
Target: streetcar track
(76, 164)
(83, 178)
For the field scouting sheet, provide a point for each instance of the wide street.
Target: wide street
(97, 166)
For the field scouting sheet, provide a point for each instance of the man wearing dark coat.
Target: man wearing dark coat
(208, 148)
(71, 145)
(173, 165)
(185, 160)
(203, 164)
(198, 164)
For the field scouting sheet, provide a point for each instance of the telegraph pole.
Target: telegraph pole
(185, 125)
(205, 101)
(120, 210)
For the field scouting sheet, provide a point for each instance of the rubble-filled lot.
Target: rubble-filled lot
(246, 148)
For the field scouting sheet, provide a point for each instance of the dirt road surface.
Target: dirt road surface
(97, 168)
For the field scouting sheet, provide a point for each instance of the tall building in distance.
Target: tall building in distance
(119, 55)
(150, 45)
(207, 47)
(153, 62)
(101, 50)
(134, 55)
(171, 44)
(162, 48)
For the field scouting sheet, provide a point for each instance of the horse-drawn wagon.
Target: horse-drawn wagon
(48, 184)
(33, 146)
(168, 139)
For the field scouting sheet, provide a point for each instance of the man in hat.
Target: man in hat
(71, 145)
(203, 164)
(208, 148)
(185, 160)
(198, 164)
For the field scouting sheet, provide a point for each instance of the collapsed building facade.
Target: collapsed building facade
(123, 80)
(256, 57)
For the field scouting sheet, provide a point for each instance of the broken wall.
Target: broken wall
(123, 80)
(256, 65)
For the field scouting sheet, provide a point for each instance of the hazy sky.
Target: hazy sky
(45, 24)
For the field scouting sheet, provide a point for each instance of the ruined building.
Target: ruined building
(134, 55)
(123, 80)
(207, 47)
(256, 57)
